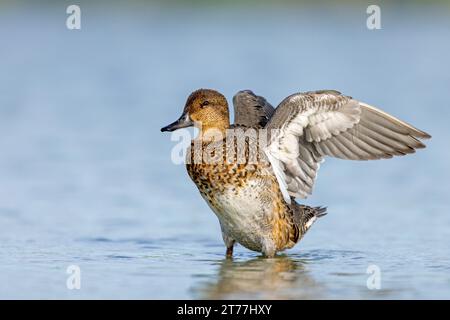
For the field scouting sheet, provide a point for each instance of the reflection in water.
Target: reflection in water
(278, 278)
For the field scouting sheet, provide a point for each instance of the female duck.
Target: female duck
(254, 200)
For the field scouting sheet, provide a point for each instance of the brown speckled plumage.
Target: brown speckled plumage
(224, 179)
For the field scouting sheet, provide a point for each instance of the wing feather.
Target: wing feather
(251, 110)
(314, 125)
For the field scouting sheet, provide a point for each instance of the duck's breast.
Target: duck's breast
(244, 212)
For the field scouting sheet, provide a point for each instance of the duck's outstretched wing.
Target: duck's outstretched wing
(312, 125)
(251, 110)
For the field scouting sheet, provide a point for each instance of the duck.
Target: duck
(251, 172)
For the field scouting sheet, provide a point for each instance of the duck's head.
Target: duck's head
(205, 109)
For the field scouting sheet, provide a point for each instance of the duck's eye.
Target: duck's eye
(204, 104)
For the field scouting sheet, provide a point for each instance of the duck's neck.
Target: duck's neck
(214, 131)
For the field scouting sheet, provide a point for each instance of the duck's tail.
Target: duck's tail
(305, 217)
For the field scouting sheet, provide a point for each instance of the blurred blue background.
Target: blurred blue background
(86, 177)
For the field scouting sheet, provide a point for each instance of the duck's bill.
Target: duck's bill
(183, 122)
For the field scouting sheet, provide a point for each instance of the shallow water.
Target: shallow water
(86, 177)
